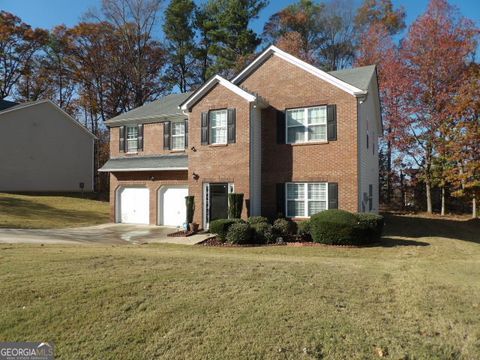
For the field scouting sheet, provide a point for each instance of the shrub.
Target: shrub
(263, 233)
(190, 204)
(284, 227)
(304, 230)
(221, 226)
(235, 205)
(257, 220)
(335, 227)
(371, 226)
(240, 233)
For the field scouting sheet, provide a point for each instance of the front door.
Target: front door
(218, 201)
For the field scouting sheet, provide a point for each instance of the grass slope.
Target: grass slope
(50, 211)
(412, 298)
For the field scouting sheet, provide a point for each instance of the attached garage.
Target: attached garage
(171, 205)
(133, 205)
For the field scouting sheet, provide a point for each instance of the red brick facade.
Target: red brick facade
(282, 85)
(219, 163)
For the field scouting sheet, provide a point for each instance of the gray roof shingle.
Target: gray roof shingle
(166, 107)
(5, 104)
(146, 163)
(359, 77)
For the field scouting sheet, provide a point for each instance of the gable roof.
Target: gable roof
(50, 103)
(165, 107)
(217, 79)
(359, 77)
(274, 51)
(5, 104)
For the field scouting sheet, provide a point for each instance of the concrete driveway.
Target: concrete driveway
(100, 234)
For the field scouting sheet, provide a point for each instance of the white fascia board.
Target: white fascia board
(217, 79)
(144, 169)
(273, 50)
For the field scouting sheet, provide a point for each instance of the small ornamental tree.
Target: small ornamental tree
(235, 205)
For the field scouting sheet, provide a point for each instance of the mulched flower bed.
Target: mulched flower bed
(182, 233)
(214, 241)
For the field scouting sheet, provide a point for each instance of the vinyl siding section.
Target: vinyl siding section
(368, 122)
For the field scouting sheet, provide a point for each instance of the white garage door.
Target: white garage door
(172, 203)
(134, 205)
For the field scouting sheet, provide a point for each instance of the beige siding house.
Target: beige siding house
(43, 149)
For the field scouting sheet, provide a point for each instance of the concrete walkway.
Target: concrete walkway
(101, 234)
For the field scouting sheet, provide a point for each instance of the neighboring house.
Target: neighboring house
(43, 149)
(293, 139)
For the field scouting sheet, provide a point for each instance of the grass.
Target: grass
(415, 297)
(30, 211)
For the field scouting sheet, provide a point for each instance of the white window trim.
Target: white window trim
(132, 139)
(305, 199)
(306, 125)
(212, 128)
(182, 135)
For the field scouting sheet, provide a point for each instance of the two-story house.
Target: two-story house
(295, 140)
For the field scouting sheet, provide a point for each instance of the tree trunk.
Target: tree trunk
(389, 168)
(474, 206)
(428, 189)
(442, 213)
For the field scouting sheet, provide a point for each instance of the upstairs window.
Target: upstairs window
(132, 138)
(306, 125)
(178, 135)
(218, 127)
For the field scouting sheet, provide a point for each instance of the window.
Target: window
(218, 127)
(307, 125)
(306, 199)
(178, 135)
(132, 138)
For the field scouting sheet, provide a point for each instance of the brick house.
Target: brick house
(295, 140)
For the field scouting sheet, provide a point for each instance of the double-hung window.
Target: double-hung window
(218, 127)
(132, 138)
(178, 135)
(306, 199)
(306, 125)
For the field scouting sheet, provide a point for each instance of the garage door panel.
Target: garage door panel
(172, 203)
(134, 206)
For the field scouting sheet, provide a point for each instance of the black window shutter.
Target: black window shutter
(231, 124)
(186, 133)
(166, 135)
(121, 142)
(281, 199)
(205, 130)
(280, 127)
(140, 138)
(331, 122)
(332, 195)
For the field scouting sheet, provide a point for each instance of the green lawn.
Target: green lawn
(411, 298)
(50, 211)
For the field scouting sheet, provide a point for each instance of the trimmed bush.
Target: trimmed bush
(304, 230)
(371, 226)
(284, 227)
(190, 204)
(240, 233)
(221, 226)
(263, 233)
(235, 205)
(257, 220)
(335, 227)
